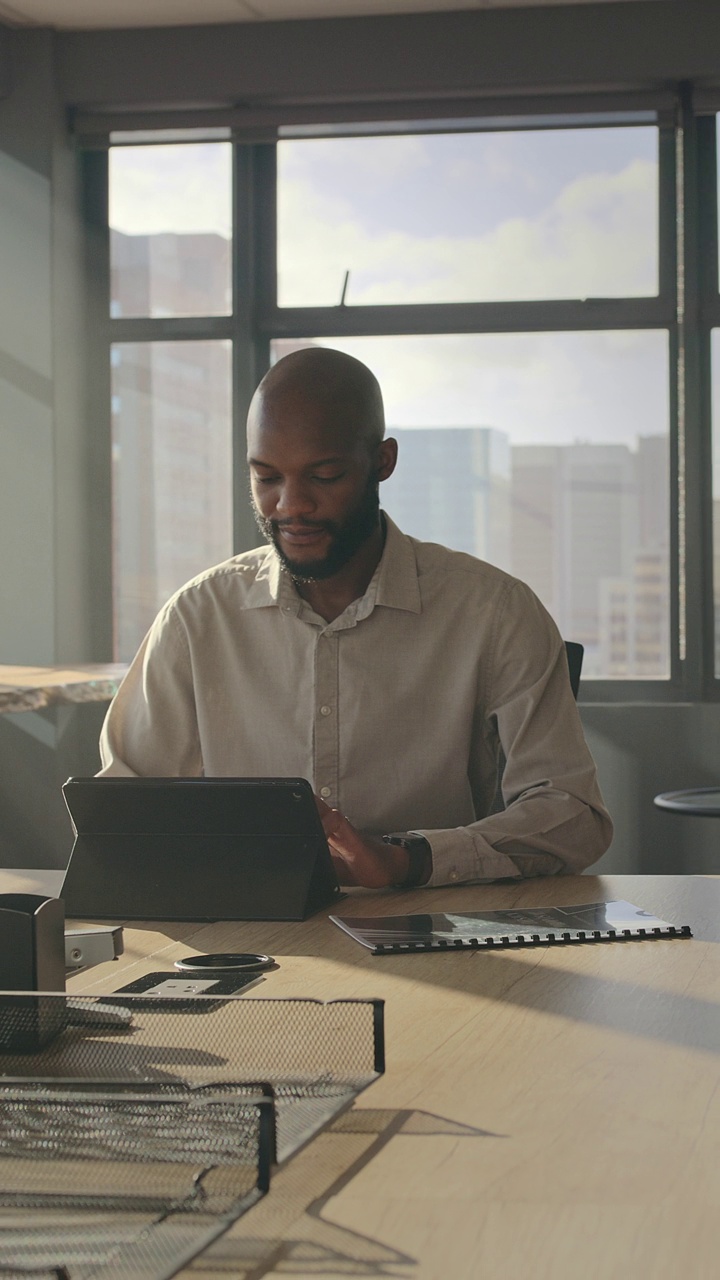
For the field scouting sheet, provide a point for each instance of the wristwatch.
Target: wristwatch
(418, 849)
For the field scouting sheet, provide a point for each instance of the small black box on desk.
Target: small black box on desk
(32, 958)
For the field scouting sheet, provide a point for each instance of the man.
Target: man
(392, 673)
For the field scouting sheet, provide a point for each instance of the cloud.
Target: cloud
(542, 388)
(339, 164)
(171, 188)
(597, 237)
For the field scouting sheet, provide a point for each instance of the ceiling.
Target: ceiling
(88, 15)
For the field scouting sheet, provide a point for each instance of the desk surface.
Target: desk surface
(545, 1112)
(31, 688)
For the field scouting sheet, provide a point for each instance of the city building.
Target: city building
(452, 485)
(172, 438)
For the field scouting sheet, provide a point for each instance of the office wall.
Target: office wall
(54, 502)
(46, 497)
(27, 619)
(399, 56)
(641, 750)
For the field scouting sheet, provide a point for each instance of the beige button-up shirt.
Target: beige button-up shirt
(396, 711)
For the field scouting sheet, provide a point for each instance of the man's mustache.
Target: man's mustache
(326, 525)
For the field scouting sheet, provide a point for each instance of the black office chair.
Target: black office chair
(575, 654)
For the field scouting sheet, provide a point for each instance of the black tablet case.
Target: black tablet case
(196, 849)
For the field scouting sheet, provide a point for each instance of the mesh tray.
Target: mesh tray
(126, 1149)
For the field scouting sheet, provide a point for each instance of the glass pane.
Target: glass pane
(172, 474)
(170, 229)
(546, 454)
(715, 373)
(468, 217)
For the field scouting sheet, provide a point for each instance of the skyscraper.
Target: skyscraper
(452, 485)
(171, 428)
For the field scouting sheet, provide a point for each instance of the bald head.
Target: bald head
(316, 456)
(342, 390)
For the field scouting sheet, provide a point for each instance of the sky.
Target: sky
(455, 217)
(468, 217)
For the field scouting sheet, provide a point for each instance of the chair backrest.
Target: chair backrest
(575, 653)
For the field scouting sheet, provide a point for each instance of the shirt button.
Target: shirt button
(453, 875)
(325, 711)
(325, 792)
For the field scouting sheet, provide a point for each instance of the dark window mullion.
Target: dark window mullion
(708, 303)
(694, 478)
(248, 348)
(255, 280)
(265, 251)
(99, 568)
(169, 329)
(468, 317)
(631, 689)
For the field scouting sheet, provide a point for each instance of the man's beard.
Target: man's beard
(347, 538)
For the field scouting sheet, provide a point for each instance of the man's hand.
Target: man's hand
(361, 860)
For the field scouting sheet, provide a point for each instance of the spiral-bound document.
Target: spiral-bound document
(616, 921)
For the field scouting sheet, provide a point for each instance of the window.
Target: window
(561, 478)
(170, 220)
(468, 217)
(538, 436)
(514, 290)
(172, 468)
(170, 260)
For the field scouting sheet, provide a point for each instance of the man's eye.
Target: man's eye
(328, 479)
(267, 479)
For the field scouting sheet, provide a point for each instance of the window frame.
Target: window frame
(685, 308)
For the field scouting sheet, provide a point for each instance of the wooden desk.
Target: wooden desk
(31, 688)
(545, 1113)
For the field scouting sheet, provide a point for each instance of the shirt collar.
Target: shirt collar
(397, 574)
(271, 586)
(394, 584)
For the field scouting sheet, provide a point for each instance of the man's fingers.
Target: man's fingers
(359, 860)
(338, 828)
(342, 869)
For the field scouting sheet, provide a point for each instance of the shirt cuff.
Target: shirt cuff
(459, 856)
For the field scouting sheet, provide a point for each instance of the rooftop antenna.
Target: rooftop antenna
(344, 289)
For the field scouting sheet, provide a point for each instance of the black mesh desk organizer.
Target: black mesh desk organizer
(124, 1151)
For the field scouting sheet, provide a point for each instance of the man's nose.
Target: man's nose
(295, 499)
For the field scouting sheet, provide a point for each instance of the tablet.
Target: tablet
(196, 849)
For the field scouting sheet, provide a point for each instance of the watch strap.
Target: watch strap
(418, 849)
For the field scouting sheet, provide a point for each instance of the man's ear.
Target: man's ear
(386, 458)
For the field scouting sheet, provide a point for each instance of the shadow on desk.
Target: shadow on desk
(679, 1019)
(262, 1244)
(530, 978)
